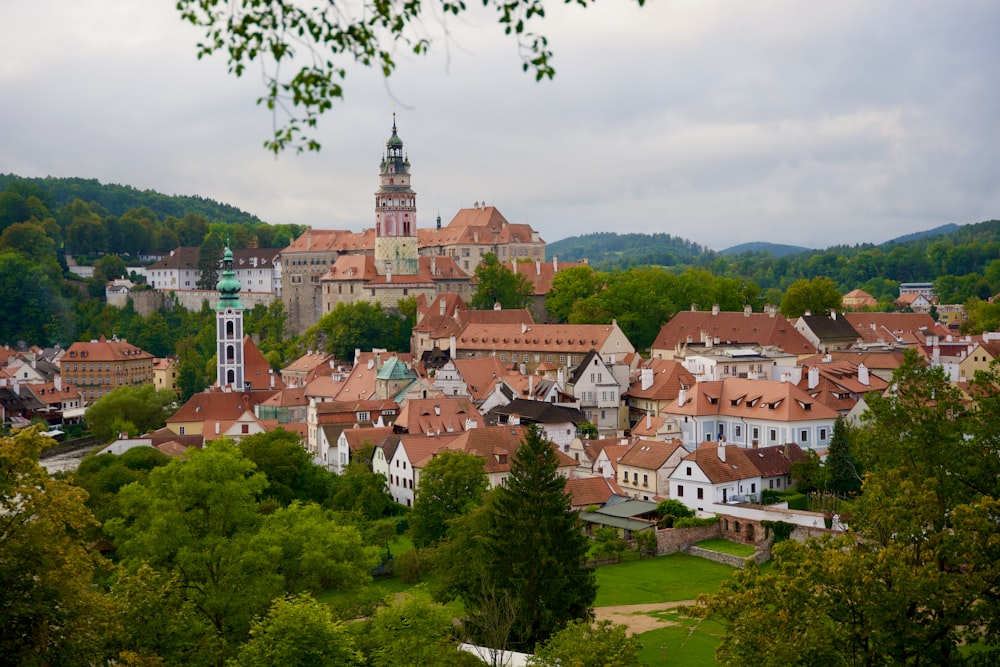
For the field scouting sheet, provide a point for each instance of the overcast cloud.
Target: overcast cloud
(789, 121)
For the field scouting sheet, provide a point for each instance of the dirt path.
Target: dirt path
(637, 616)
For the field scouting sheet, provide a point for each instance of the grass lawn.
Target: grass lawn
(662, 579)
(690, 643)
(727, 547)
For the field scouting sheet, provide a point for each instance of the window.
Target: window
(363, 416)
(822, 434)
(804, 436)
(503, 356)
(244, 428)
(645, 479)
(701, 493)
(688, 471)
(181, 430)
(737, 431)
(635, 478)
(680, 491)
(625, 475)
(753, 488)
(773, 435)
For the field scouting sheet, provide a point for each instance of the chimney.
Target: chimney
(538, 267)
(646, 378)
(451, 346)
(57, 382)
(649, 420)
(721, 449)
(863, 375)
(524, 327)
(433, 265)
(555, 264)
(788, 451)
(442, 302)
(513, 264)
(531, 386)
(808, 313)
(497, 306)
(437, 410)
(513, 420)
(681, 397)
(715, 309)
(813, 377)
(833, 313)
(218, 428)
(747, 310)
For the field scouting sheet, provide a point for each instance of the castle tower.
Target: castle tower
(230, 367)
(395, 213)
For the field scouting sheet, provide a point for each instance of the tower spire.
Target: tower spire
(230, 371)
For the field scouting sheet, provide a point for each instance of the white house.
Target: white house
(747, 412)
(726, 474)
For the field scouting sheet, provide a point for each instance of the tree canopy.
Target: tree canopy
(133, 409)
(497, 283)
(450, 484)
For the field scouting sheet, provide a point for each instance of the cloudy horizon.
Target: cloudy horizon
(776, 121)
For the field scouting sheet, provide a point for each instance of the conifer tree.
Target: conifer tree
(840, 464)
(534, 550)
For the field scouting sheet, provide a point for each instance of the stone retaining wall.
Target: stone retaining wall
(672, 540)
(726, 559)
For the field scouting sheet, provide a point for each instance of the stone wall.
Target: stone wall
(726, 559)
(672, 540)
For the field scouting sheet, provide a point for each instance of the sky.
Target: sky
(785, 121)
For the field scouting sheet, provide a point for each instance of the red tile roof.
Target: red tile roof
(732, 327)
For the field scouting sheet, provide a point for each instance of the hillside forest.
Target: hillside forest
(42, 220)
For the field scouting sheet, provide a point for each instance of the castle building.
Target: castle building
(395, 212)
(396, 270)
(395, 259)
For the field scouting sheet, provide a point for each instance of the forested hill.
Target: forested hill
(117, 199)
(627, 250)
(962, 261)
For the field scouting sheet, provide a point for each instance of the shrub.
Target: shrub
(410, 566)
(695, 522)
(798, 502)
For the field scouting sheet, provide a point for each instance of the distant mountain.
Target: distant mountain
(625, 250)
(943, 229)
(776, 249)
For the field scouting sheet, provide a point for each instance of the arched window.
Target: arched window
(230, 329)
(230, 377)
(230, 352)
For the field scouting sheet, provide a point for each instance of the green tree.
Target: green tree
(841, 467)
(209, 262)
(497, 283)
(35, 311)
(450, 484)
(412, 631)
(534, 548)
(135, 409)
(298, 632)
(49, 611)
(670, 510)
(569, 286)
(818, 296)
(303, 90)
(360, 325)
(584, 644)
(198, 523)
(103, 476)
(291, 474)
(107, 268)
(361, 492)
